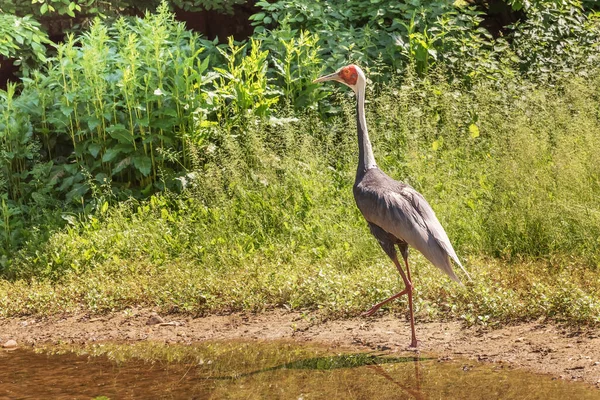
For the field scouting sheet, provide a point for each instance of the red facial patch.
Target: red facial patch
(349, 75)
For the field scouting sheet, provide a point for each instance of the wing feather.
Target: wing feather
(435, 227)
(402, 211)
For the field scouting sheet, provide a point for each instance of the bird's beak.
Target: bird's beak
(330, 77)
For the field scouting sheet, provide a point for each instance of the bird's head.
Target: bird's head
(350, 75)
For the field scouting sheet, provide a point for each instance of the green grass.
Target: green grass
(510, 168)
(500, 292)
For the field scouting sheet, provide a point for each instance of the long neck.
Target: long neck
(366, 159)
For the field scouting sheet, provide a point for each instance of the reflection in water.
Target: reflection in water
(273, 370)
(348, 361)
(415, 392)
(333, 362)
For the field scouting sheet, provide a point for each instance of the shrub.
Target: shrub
(22, 41)
(556, 37)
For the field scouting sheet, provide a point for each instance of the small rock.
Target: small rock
(518, 340)
(154, 320)
(10, 344)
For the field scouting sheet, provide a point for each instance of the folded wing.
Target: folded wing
(404, 212)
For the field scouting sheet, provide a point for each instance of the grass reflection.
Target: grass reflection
(333, 362)
(270, 369)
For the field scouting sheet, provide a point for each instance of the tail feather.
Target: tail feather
(440, 257)
(457, 261)
(446, 266)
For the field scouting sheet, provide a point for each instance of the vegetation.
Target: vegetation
(144, 165)
(92, 8)
(22, 40)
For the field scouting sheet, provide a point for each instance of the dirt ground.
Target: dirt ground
(565, 353)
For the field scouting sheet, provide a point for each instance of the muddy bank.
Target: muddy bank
(544, 348)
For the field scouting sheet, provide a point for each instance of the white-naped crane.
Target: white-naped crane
(397, 214)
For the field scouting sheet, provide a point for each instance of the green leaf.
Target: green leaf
(143, 164)
(474, 131)
(66, 110)
(204, 65)
(93, 123)
(121, 165)
(110, 155)
(66, 183)
(70, 219)
(101, 177)
(18, 38)
(94, 149)
(120, 133)
(44, 8)
(77, 192)
(171, 112)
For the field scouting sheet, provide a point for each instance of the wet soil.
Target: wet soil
(564, 352)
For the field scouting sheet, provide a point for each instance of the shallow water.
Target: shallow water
(273, 370)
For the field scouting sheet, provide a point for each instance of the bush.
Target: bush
(124, 109)
(386, 35)
(22, 41)
(556, 37)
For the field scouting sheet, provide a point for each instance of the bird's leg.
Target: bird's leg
(377, 306)
(387, 243)
(409, 287)
(408, 291)
(404, 251)
(408, 282)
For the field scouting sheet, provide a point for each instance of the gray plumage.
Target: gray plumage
(397, 214)
(404, 214)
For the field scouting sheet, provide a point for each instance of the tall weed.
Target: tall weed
(511, 173)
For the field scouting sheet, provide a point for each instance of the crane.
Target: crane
(396, 213)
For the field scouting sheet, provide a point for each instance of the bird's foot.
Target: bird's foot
(369, 312)
(414, 345)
